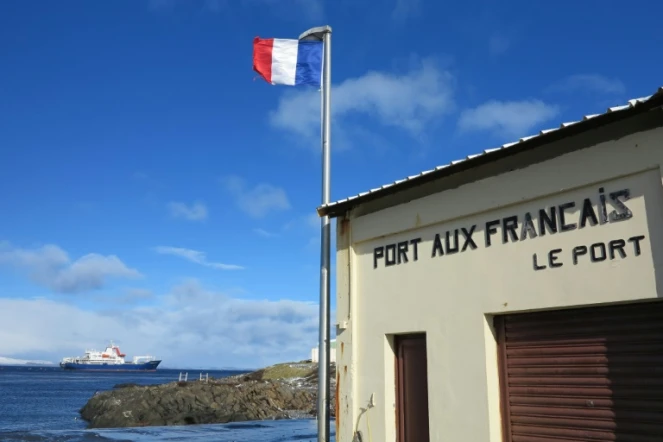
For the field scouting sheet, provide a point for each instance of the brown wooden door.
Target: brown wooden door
(412, 388)
(588, 374)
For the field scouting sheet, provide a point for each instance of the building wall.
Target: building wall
(453, 297)
(332, 353)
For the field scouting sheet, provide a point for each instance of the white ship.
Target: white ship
(111, 359)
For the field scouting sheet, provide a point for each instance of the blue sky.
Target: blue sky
(156, 192)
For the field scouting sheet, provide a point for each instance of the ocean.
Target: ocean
(40, 404)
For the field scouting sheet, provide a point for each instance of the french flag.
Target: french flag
(288, 62)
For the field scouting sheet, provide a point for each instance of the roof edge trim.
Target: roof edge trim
(546, 136)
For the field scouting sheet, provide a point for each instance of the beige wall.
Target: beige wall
(315, 353)
(452, 297)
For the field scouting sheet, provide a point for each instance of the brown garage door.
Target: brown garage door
(590, 374)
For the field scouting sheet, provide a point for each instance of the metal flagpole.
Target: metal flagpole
(324, 33)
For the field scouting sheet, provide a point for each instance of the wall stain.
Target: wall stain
(344, 225)
(337, 407)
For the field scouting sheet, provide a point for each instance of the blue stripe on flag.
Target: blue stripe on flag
(309, 63)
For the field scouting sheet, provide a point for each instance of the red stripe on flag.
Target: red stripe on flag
(262, 57)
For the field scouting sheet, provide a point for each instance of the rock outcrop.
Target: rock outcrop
(284, 391)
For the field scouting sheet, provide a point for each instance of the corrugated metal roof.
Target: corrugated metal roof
(344, 204)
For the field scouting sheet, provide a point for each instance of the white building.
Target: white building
(514, 295)
(332, 352)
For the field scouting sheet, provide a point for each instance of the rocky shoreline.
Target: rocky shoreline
(283, 391)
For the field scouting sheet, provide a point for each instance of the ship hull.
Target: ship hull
(127, 366)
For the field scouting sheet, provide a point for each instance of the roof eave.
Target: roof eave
(545, 137)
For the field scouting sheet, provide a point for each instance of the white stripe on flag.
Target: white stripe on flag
(284, 61)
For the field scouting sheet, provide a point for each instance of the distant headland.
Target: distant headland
(20, 362)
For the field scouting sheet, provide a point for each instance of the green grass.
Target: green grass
(287, 371)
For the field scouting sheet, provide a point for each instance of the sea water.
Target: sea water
(40, 404)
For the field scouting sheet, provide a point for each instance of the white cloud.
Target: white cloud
(169, 5)
(507, 118)
(140, 175)
(161, 5)
(589, 83)
(125, 296)
(197, 211)
(310, 10)
(410, 102)
(215, 5)
(226, 332)
(258, 200)
(309, 221)
(134, 294)
(313, 220)
(195, 256)
(498, 44)
(264, 233)
(50, 266)
(314, 243)
(405, 9)
(140, 293)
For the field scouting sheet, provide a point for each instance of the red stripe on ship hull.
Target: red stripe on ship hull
(262, 57)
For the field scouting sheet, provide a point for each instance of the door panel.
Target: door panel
(412, 388)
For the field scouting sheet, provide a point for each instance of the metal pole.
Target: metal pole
(325, 254)
(324, 33)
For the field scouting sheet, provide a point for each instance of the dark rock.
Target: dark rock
(126, 385)
(255, 376)
(238, 398)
